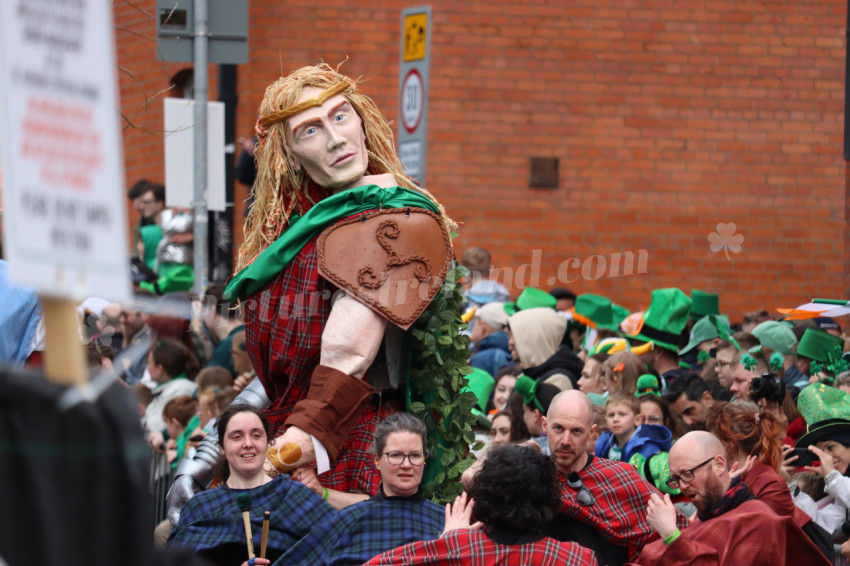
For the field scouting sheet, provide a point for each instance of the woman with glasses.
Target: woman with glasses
(396, 515)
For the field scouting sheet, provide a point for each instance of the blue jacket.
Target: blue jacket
(647, 439)
(492, 353)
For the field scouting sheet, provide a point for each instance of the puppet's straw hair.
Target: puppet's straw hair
(281, 189)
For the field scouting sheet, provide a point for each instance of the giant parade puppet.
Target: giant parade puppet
(347, 282)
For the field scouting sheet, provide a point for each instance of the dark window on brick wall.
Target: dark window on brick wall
(544, 173)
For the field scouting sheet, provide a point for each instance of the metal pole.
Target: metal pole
(200, 146)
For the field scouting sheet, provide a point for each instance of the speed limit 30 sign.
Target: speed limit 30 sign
(412, 100)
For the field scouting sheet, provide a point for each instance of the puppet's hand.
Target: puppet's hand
(291, 450)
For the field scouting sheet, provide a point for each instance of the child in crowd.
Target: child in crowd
(144, 396)
(601, 428)
(626, 436)
(179, 414)
(166, 363)
(215, 377)
(223, 399)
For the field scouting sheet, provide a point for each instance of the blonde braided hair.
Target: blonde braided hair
(282, 189)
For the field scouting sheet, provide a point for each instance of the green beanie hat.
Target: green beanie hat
(647, 384)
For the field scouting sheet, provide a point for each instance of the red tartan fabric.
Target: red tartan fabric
(750, 534)
(473, 548)
(283, 332)
(619, 513)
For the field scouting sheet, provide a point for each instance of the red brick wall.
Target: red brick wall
(667, 117)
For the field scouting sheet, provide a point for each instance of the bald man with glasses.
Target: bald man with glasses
(732, 527)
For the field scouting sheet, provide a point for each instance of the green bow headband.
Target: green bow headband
(776, 362)
(527, 387)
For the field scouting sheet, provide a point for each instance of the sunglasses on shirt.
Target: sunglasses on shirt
(583, 495)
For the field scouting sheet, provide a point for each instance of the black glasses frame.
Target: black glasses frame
(687, 475)
(397, 458)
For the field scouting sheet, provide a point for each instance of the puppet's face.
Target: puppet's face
(328, 141)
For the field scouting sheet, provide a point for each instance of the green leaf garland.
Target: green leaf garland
(438, 367)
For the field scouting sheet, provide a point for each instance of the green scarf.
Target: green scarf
(301, 230)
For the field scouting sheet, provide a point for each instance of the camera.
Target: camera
(769, 386)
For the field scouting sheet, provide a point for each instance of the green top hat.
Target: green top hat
(595, 311)
(531, 298)
(665, 318)
(704, 304)
(619, 313)
(776, 336)
(481, 384)
(826, 411)
(818, 345)
(705, 329)
(647, 384)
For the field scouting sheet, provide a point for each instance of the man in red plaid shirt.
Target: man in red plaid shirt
(325, 154)
(607, 496)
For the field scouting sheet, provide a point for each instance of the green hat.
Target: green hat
(481, 384)
(656, 470)
(531, 298)
(595, 311)
(704, 330)
(647, 384)
(776, 336)
(527, 387)
(826, 411)
(703, 304)
(665, 319)
(619, 313)
(818, 345)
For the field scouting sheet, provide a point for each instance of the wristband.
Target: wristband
(670, 539)
(325, 496)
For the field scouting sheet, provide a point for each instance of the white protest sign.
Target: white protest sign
(180, 157)
(64, 225)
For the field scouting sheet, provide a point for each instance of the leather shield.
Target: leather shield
(394, 261)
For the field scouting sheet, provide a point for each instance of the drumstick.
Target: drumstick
(266, 516)
(244, 501)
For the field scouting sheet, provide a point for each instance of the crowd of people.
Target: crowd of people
(283, 402)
